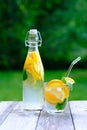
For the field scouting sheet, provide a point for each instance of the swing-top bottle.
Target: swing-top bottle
(33, 73)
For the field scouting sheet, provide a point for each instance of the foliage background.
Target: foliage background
(63, 27)
(62, 24)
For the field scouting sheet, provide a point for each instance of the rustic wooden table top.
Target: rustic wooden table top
(13, 117)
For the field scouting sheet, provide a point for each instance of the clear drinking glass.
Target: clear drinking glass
(56, 92)
(56, 95)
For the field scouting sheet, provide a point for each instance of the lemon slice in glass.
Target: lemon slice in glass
(56, 91)
(68, 81)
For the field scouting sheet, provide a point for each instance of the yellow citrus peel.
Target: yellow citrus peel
(56, 91)
(33, 65)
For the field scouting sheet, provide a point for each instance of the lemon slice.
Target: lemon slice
(33, 66)
(69, 81)
(56, 91)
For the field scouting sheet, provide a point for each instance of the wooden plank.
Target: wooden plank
(19, 119)
(5, 109)
(79, 114)
(61, 121)
(4, 106)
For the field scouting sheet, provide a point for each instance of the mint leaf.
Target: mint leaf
(24, 75)
(60, 106)
(63, 79)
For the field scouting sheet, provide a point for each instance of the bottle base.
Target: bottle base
(31, 107)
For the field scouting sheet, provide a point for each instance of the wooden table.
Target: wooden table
(13, 117)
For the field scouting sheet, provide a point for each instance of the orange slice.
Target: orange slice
(33, 65)
(56, 91)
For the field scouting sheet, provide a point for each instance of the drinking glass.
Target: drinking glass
(56, 95)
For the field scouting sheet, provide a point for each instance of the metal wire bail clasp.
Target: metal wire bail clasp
(38, 40)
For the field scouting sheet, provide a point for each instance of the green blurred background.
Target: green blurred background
(63, 27)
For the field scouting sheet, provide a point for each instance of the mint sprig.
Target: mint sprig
(63, 80)
(24, 75)
(60, 106)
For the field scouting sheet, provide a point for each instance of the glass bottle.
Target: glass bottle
(33, 73)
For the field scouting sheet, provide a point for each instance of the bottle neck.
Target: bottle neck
(33, 38)
(32, 48)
